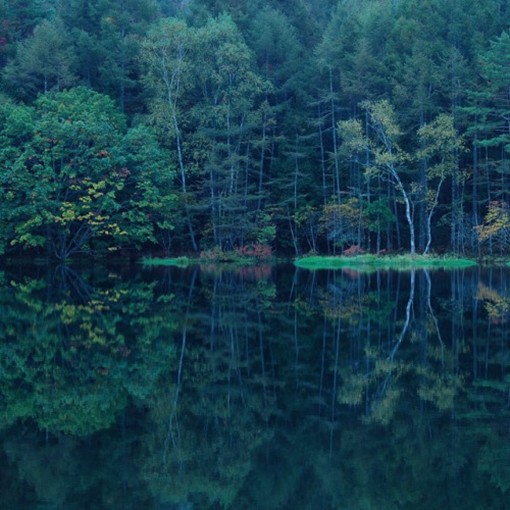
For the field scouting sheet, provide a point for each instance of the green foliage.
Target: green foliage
(75, 181)
(203, 103)
(378, 215)
(490, 106)
(178, 262)
(277, 109)
(277, 48)
(45, 61)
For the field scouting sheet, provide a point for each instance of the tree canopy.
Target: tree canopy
(242, 107)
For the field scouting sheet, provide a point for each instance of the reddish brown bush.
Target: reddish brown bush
(352, 251)
(257, 250)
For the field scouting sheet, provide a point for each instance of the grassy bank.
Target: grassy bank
(249, 255)
(176, 262)
(373, 262)
(234, 261)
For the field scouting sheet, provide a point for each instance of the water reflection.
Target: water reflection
(261, 388)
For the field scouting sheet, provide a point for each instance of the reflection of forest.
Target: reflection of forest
(276, 388)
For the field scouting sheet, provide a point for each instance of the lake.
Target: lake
(264, 387)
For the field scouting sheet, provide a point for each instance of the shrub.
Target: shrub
(257, 250)
(353, 251)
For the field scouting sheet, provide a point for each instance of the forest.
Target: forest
(296, 127)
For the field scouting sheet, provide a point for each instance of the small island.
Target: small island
(375, 262)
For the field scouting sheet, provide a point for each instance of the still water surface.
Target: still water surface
(259, 388)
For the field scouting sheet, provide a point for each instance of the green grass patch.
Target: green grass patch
(176, 262)
(374, 262)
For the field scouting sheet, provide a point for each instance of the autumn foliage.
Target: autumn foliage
(496, 225)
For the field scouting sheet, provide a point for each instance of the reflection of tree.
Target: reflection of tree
(369, 466)
(213, 414)
(377, 331)
(363, 392)
(375, 370)
(72, 354)
(497, 306)
(422, 460)
(65, 472)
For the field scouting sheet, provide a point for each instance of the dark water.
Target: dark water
(260, 388)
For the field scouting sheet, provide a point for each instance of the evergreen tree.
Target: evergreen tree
(45, 61)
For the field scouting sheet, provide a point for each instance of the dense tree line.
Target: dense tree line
(188, 125)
